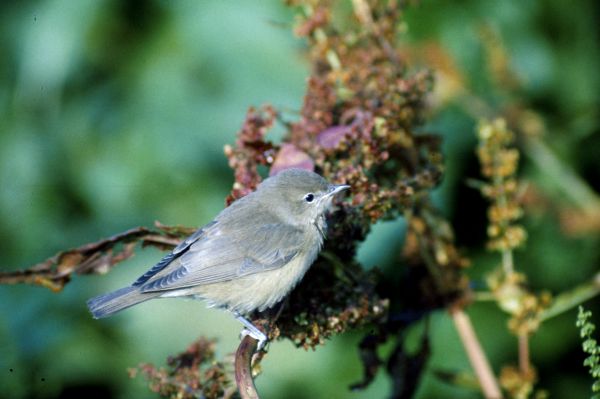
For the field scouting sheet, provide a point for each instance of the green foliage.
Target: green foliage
(590, 346)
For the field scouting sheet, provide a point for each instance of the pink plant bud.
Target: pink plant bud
(291, 157)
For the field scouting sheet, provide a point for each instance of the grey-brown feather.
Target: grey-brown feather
(115, 301)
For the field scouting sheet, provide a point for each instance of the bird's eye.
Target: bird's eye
(309, 197)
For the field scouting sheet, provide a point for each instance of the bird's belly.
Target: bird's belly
(256, 291)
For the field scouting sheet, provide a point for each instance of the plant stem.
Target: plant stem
(243, 368)
(477, 357)
(481, 296)
(563, 175)
(507, 262)
(572, 298)
(524, 364)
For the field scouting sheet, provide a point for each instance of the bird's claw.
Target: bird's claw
(257, 335)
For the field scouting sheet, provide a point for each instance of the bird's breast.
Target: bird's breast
(264, 289)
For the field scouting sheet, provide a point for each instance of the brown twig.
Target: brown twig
(524, 364)
(477, 357)
(243, 368)
(94, 258)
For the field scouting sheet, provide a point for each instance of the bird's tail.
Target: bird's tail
(107, 304)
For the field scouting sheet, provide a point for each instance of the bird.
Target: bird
(249, 257)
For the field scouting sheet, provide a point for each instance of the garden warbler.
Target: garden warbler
(249, 257)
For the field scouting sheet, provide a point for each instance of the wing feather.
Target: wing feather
(171, 256)
(218, 256)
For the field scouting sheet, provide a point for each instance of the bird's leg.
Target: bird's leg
(251, 330)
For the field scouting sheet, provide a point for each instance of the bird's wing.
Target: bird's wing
(174, 254)
(218, 256)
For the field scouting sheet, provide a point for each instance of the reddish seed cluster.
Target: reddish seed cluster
(356, 126)
(338, 297)
(250, 150)
(357, 120)
(191, 374)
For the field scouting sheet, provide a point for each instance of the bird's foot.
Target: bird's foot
(257, 335)
(252, 331)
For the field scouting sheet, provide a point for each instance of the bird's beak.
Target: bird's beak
(334, 189)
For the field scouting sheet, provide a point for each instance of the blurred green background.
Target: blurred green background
(114, 114)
